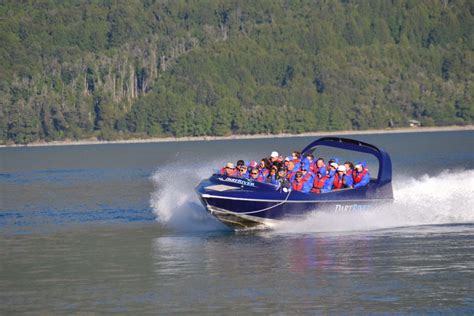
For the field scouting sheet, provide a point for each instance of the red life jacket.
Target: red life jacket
(306, 177)
(297, 186)
(290, 175)
(358, 177)
(338, 182)
(313, 168)
(319, 184)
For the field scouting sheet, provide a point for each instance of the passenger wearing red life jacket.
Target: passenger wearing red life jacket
(290, 174)
(256, 176)
(298, 183)
(296, 157)
(320, 176)
(341, 179)
(229, 170)
(361, 174)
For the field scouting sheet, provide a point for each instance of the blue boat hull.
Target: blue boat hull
(243, 204)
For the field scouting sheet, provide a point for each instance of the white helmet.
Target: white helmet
(341, 168)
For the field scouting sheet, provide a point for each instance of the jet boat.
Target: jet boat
(241, 203)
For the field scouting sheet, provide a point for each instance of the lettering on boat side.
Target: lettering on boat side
(352, 207)
(238, 181)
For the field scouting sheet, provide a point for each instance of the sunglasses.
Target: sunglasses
(254, 173)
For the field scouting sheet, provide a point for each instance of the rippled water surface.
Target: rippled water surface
(118, 228)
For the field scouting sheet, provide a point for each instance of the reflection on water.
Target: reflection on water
(324, 272)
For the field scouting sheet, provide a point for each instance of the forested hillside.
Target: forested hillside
(75, 69)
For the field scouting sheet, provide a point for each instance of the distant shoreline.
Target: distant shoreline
(256, 136)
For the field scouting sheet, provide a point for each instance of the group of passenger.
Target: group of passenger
(303, 174)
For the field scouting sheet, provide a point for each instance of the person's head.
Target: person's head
(254, 173)
(348, 165)
(341, 169)
(320, 162)
(291, 165)
(296, 155)
(333, 166)
(359, 167)
(281, 172)
(229, 167)
(310, 158)
(240, 163)
(243, 169)
(253, 164)
(277, 165)
(298, 175)
(273, 170)
(265, 163)
(274, 156)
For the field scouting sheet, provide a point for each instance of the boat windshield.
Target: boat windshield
(343, 155)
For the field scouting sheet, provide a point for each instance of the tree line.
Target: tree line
(155, 68)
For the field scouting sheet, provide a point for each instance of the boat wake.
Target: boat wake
(176, 204)
(444, 199)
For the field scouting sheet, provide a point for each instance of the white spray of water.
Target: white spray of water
(447, 198)
(175, 202)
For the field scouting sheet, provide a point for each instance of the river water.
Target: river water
(118, 228)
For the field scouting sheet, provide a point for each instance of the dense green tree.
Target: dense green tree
(140, 68)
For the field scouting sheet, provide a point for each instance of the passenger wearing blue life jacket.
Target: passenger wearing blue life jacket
(291, 171)
(321, 169)
(296, 157)
(264, 167)
(307, 177)
(361, 175)
(312, 163)
(328, 184)
(255, 175)
(242, 172)
(272, 177)
(297, 163)
(334, 159)
(349, 170)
